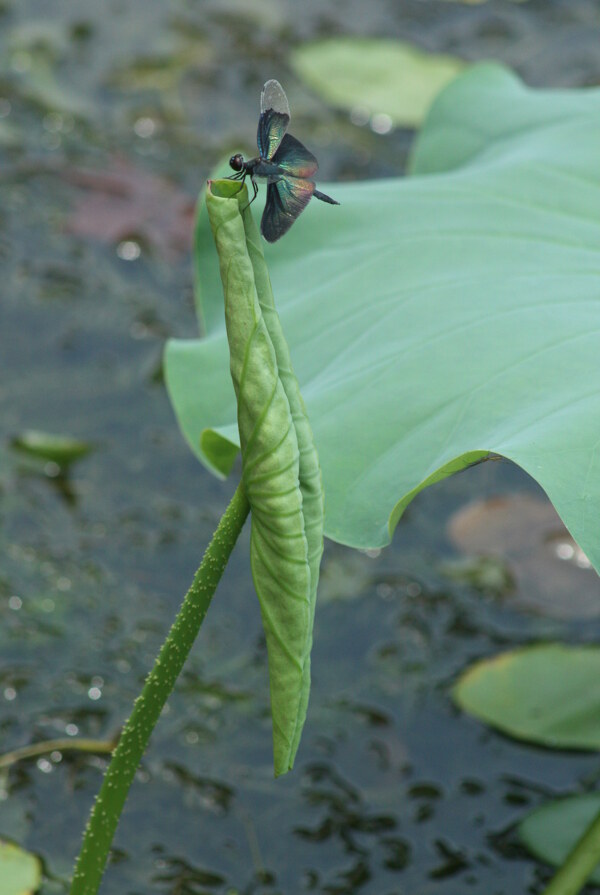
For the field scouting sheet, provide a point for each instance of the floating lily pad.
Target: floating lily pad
(124, 202)
(548, 694)
(381, 77)
(20, 871)
(551, 831)
(59, 449)
(550, 573)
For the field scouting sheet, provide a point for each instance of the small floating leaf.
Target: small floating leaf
(551, 831)
(383, 77)
(544, 694)
(20, 871)
(59, 449)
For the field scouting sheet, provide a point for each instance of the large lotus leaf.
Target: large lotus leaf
(545, 694)
(435, 318)
(551, 831)
(487, 108)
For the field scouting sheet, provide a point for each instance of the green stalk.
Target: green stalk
(579, 863)
(148, 706)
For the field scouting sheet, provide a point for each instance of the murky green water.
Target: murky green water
(394, 791)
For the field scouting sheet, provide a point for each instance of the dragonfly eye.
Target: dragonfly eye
(236, 162)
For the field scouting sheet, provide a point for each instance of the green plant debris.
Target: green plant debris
(59, 449)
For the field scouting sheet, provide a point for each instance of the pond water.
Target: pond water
(394, 791)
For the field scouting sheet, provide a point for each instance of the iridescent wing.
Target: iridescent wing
(286, 199)
(294, 158)
(274, 119)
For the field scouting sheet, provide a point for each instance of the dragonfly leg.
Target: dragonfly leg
(254, 194)
(255, 191)
(240, 177)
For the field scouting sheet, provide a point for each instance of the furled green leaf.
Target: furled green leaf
(20, 871)
(383, 77)
(280, 468)
(435, 318)
(544, 694)
(309, 472)
(551, 831)
(207, 279)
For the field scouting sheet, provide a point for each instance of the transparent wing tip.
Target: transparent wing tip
(273, 97)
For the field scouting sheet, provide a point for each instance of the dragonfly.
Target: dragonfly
(285, 164)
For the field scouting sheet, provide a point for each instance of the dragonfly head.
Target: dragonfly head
(236, 162)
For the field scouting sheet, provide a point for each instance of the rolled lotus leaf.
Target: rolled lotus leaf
(280, 467)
